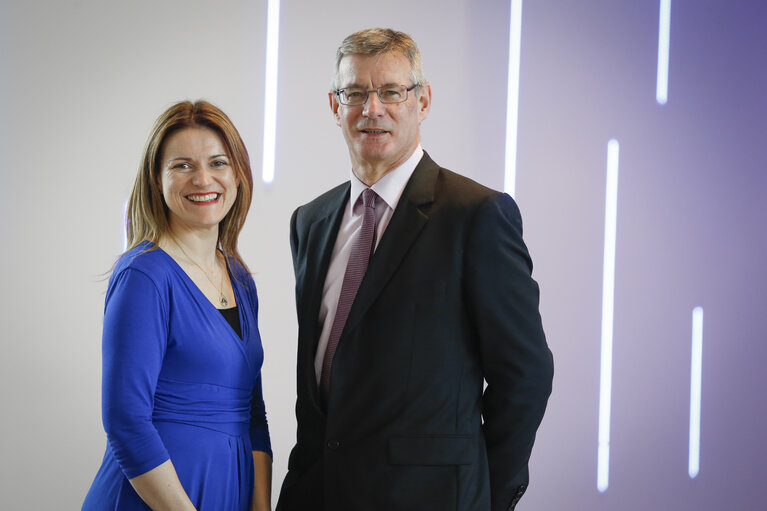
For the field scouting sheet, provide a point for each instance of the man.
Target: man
(410, 297)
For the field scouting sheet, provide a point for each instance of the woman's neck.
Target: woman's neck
(198, 246)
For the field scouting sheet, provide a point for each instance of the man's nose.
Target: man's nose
(373, 106)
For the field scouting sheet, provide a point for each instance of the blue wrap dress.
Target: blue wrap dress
(179, 384)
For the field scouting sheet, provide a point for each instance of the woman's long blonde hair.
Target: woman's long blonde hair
(147, 214)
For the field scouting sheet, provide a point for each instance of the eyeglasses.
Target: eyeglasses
(356, 96)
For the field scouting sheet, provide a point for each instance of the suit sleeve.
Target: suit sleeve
(516, 361)
(294, 236)
(133, 345)
(294, 250)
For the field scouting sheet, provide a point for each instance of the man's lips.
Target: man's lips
(373, 131)
(203, 198)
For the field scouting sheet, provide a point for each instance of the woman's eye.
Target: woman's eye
(219, 163)
(182, 166)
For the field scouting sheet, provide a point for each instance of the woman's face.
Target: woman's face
(198, 181)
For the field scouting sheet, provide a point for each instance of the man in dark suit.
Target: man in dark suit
(410, 297)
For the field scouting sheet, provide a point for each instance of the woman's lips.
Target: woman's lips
(203, 198)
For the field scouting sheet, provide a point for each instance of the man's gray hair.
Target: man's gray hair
(379, 41)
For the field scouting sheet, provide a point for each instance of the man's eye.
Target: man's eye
(391, 93)
(352, 94)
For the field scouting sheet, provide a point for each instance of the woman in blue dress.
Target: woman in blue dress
(181, 394)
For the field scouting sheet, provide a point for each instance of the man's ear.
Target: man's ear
(334, 104)
(424, 101)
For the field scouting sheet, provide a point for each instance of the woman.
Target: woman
(182, 402)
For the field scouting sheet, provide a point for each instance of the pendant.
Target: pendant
(224, 302)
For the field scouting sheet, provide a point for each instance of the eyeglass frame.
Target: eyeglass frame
(338, 93)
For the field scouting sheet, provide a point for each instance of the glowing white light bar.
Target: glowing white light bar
(270, 89)
(512, 96)
(608, 294)
(664, 36)
(695, 391)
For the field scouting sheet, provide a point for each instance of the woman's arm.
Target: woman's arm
(262, 484)
(259, 433)
(262, 452)
(161, 489)
(134, 342)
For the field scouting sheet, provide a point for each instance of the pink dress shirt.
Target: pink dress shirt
(389, 189)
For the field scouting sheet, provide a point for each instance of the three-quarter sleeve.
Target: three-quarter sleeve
(134, 341)
(259, 428)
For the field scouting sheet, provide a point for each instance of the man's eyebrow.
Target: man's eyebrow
(358, 86)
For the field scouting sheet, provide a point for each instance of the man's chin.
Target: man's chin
(373, 154)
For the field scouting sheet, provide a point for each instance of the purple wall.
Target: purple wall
(692, 207)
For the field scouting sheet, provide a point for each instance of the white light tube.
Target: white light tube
(608, 293)
(512, 96)
(270, 89)
(664, 36)
(693, 465)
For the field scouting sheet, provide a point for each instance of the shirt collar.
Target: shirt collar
(391, 185)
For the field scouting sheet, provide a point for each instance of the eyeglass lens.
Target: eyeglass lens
(386, 94)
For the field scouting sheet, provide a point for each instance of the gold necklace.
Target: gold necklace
(221, 296)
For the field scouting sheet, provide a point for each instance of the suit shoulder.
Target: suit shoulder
(460, 188)
(462, 196)
(322, 205)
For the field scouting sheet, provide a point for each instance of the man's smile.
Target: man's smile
(373, 132)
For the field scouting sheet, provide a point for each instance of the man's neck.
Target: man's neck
(370, 176)
(371, 172)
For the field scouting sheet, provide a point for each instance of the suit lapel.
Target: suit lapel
(403, 229)
(321, 238)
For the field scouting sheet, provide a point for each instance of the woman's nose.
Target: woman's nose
(202, 176)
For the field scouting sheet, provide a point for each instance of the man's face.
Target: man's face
(380, 136)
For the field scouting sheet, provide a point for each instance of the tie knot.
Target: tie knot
(369, 198)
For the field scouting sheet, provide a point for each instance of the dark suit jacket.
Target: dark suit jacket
(447, 302)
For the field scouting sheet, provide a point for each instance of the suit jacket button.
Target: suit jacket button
(333, 445)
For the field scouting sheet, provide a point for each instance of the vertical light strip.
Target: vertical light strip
(664, 36)
(608, 293)
(270, 89)
(512, 96)
(695, 391)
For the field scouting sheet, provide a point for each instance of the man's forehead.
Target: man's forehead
(388, 68)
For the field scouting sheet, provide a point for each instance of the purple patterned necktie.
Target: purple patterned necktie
(355, 270)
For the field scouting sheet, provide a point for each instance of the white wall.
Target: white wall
(81, 82)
